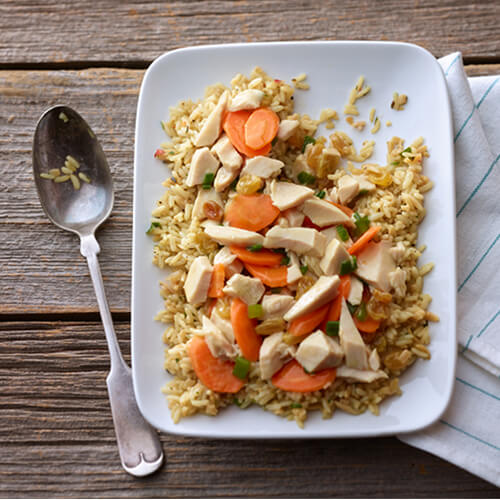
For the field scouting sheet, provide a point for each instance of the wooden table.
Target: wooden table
(56, 433)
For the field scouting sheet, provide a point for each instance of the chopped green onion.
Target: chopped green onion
(308, 140)
(237, 402)
(241, 367)
(306, 178)
(295, 405)
(348, 266)
(362, 192)
(255, 248)
(361, 312)
(342, 232)
(362, 223)
(352, 309)
(232, 186)
(395, 163)
(152, 226)
(321, 194)
(332, 328)
(407, 150)
(274, 141)
(275, 290)
(285, 260)
(304, 269)
(255, 311)
(208, 181)
(279, 250)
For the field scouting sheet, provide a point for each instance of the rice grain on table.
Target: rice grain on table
(396, 205)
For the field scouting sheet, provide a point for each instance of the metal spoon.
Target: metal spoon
(61, 131)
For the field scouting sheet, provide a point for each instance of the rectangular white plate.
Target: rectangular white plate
(332, 70)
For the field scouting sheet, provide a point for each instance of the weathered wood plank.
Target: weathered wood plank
(131, 31)
(57, 439)
(41, 270)
(482, 69)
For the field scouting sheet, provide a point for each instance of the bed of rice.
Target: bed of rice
(398, 209)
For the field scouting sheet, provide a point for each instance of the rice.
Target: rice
(396, 205)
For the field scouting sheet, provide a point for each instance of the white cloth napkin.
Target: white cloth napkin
(468, 434)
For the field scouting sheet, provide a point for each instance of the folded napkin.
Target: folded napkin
(468, 434)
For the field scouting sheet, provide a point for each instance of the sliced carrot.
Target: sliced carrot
(260, 258)
(234, 126)
(308, 322)
(251, 211)
(213, 372)
(293, 378)
(210, 307)
(261, 128)
(344, 209)
(336, 305)
(217, 282)
(363, 240)
(369, 325)
(244, 330)
(271, 276)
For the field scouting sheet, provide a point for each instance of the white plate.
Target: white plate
(332, 70)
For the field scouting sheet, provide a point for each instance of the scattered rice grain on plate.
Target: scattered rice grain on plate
(398, 101)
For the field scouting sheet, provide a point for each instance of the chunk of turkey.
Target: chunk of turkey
(302, 240)
(287, 128)
(375, 263)
(203, 162)
(322, 213)
(210, 130)
(351, 340)
(247, 99)
(262, 166)
(355, 292)
(275, 306)
(224, 178)
(227, 154)
(273, 355)
(323, 291)
(365, 376)
(227, 235)
(249, 290)
(204, 196)
(347, 189)
(318, 351)
(232, 265)
(335, 254)
(219, 345)
(287, 195)
(198, 280)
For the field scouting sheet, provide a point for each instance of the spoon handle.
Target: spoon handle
(138, 443)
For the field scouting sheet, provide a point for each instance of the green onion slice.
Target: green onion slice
(208, 181)
(306, 178)
(308, 140)
(361, 312)
(241, 367)
(304, 269)
(332, 328)
(342, 232)
(255, 311)
(152, 226)
(321, 194)
(255, 248)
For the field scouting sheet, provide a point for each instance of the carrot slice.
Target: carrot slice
(293, 378)
(259, 258)
(344, 209)
(309, 223)
(308, 322)
(363, 240)
(234, 126)
(251, 211)
(213, 372)
(261, 128)
(369, 325)
(336, 305)
(244, 330)
(217, 282)
(271, 276)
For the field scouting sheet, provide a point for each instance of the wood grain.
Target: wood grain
(57, 439)
(135, 32)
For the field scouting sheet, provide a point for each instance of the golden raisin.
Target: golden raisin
(212, 210)
(269, 326)
(303, 285)
(249, 184)
(223, 308)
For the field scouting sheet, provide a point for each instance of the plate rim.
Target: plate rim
(297, 433)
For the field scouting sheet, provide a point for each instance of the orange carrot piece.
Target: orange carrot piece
(260, 258)
(308, 322)
(344, 209)
(251, 211)
(309, 223)
(293, 378)
(369, 325)
(234, 126)
(244, 330)
(363, 240)
(261, 128)
(274, 277)
(213, 372)
(336, 305)
(217, 282)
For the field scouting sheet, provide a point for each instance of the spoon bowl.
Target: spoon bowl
(60, 132)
